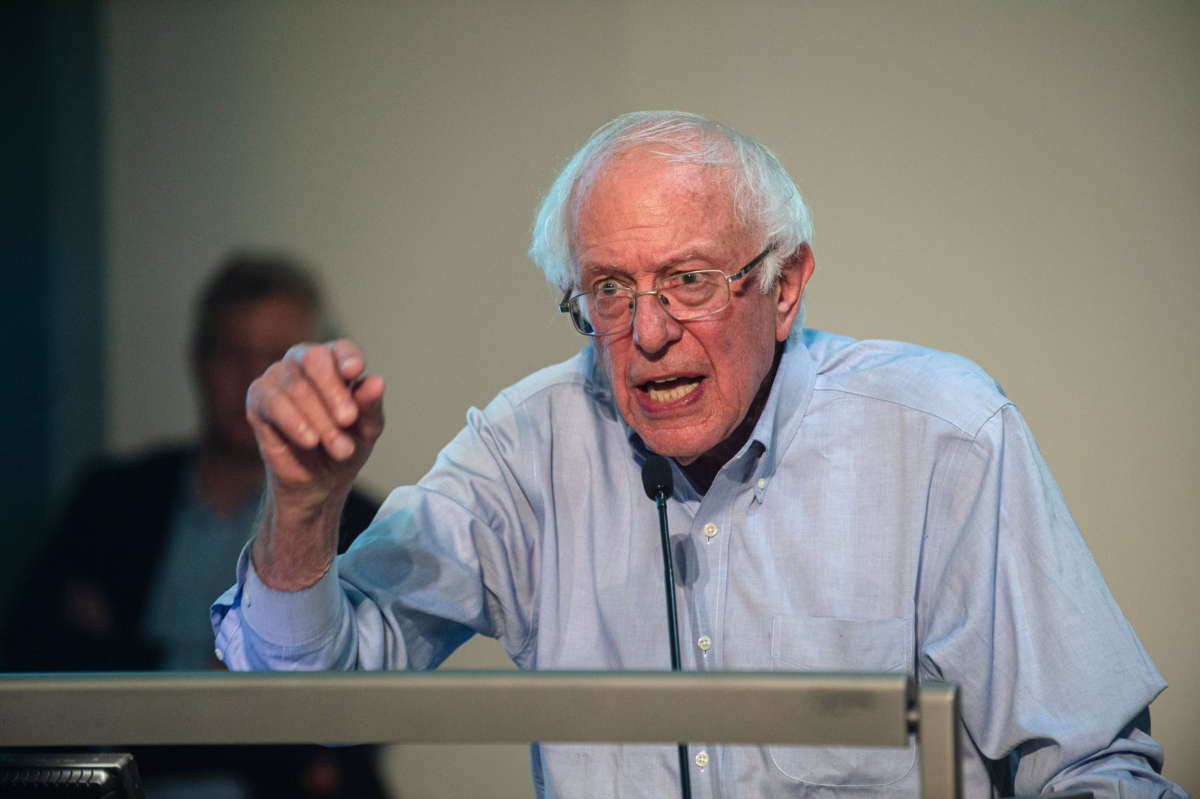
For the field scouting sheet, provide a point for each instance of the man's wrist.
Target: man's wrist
(296, 541)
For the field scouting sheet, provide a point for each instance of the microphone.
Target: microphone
(657, 477)
(659, 482)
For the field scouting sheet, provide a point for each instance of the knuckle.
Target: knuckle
(315, 358)
(307, 404)
(254, 391)
(291, 378)
(278, 370)
(258, 395)
(276, 406)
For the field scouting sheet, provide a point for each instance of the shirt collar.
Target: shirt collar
(786, 407)
(777, 425)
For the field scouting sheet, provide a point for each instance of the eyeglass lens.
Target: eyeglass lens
(685, 296)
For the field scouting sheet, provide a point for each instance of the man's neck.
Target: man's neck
(702, 471)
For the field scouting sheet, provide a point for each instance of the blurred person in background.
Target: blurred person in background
(146, 541)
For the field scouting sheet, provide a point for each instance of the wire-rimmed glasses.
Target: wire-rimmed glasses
(607, 310)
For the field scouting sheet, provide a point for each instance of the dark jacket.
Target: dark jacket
(111, 537)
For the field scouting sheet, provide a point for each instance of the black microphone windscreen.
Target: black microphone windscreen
(656, 476)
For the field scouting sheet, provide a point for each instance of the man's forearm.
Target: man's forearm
(295, 544)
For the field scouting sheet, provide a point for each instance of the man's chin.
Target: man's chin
(682, 449)
(684, 435)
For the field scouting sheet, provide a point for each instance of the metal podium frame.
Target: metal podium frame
(132, 708)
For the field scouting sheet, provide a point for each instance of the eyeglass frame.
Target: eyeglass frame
(564, 305)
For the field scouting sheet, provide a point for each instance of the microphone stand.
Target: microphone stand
(659, 484)
(669, 574)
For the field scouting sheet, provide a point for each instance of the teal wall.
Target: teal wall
(52, 305)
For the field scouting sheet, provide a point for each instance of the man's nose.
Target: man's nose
(653, 327)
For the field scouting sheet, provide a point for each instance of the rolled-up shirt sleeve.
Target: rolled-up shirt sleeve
(1016, 612)
(259, 628)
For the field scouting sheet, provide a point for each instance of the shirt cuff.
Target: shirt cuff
(290, 618)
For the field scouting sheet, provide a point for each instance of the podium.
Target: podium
(127, 709)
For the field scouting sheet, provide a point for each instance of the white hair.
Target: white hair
(764, 195)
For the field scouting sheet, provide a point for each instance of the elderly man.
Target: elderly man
(839, 505)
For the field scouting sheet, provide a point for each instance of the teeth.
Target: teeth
(671, 393)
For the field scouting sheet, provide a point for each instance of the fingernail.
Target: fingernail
(343, 447)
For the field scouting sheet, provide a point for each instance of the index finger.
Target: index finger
(328, 368)
(351, 363)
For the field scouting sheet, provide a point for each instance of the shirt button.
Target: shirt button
(702, 759)
(761, 484)
(220, 655)
(705, 643)
(710, 530)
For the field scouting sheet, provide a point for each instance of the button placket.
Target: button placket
(760, 489)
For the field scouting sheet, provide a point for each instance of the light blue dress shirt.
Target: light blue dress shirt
(201, 544)
(890, 512)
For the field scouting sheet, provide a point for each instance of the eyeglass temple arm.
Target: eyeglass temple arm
(564, 304)
(741, 273)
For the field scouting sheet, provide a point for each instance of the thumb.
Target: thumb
(368, 395)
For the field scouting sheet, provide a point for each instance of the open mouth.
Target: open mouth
(670, 389)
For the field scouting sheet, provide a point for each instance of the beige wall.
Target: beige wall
(1016, 182)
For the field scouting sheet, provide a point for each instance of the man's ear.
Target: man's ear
(793, 277)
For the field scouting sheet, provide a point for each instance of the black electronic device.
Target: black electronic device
(69, 775)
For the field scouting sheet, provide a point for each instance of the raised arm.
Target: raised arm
(316, 415)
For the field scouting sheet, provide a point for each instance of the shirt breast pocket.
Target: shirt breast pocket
(828, 644)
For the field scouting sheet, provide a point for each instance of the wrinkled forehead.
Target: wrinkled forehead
(646, 183)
